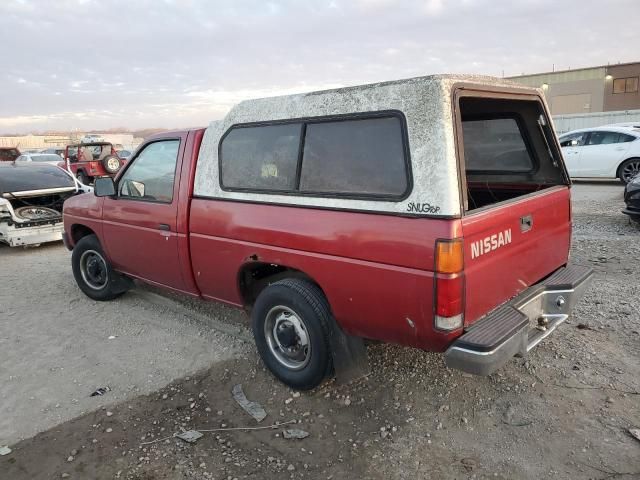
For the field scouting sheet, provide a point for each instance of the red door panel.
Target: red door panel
(142, 236)
(136, 244)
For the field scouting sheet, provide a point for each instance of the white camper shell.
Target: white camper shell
(431, 110)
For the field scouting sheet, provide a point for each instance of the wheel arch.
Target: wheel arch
(253, 277)
(622, 163)
(82, 170)
(79, 231)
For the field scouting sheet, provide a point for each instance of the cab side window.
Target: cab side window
(152, 174)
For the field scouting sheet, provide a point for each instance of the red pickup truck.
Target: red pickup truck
(432, 212)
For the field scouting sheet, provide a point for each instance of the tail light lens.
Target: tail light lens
(449, 285)
(449, 256)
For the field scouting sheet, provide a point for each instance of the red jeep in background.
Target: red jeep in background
(87, 161)
(433, 212)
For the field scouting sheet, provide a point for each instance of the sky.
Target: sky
(99, 64)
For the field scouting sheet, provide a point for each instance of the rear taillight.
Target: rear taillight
(449, 285)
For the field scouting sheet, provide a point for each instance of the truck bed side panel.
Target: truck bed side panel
(375, 270)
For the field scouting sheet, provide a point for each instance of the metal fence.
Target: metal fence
(566, 123)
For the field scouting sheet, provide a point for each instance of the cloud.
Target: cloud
(182, 63)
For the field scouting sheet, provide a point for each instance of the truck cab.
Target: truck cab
(431, 212)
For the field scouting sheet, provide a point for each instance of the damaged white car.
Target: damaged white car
(31, 199)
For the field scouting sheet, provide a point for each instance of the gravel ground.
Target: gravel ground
(562, 413)
(55, 345)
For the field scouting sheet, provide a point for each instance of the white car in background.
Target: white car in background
(602, 152)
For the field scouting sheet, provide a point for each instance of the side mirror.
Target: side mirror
(104, 187)
(574, 143)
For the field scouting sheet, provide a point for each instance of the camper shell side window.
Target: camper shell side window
(349, 156)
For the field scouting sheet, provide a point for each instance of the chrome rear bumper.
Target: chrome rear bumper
(519, 325)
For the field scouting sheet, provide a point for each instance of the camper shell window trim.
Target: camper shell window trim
(464, 90)
(304, 121)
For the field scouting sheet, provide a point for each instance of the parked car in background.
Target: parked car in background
(603, 152)
(56, 150)
(30, 150)
(124, 154)
(31, 199)
(632, 199)
(8, 154)
(50, 158)
(88, 161)
(433, 212)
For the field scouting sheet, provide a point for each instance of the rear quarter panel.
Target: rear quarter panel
(376, 270)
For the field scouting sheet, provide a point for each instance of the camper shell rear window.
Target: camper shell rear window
(507, 149)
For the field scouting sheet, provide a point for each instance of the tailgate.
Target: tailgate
(511, 246)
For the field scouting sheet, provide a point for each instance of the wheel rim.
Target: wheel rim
(630, 170)
(93, 269)
(287, 337)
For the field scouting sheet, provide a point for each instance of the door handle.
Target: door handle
(526, 223)
(164, 227)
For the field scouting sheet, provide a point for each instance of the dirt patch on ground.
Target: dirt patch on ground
(563, 412)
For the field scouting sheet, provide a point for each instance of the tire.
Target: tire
(294, 308)
(93, 273)
(82, 177)
(629, 169)
(37, 213)
(111, 163)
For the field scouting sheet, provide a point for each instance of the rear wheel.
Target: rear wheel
(629, 169)
(82, 177)
(290, 322)
(93, 273)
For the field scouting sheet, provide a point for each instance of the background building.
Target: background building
(588, 97)
(23, 142)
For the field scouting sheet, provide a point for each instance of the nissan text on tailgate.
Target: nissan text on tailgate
(432, 212)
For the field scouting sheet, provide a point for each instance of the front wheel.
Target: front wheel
(629, 169)
(291, 327)
(93, 273)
